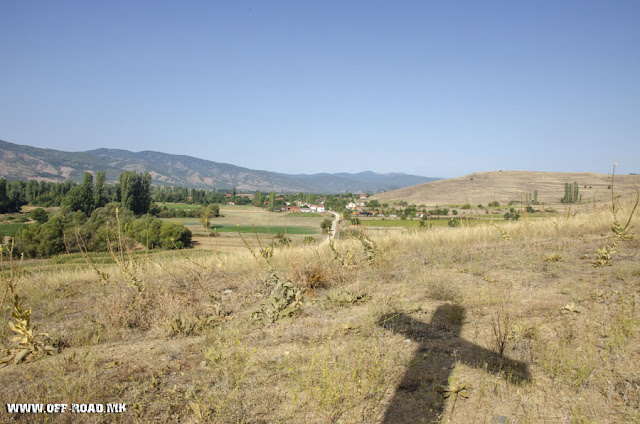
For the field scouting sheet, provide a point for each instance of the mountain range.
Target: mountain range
(21, 162)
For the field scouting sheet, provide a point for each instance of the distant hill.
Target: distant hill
(26, 162)
(504, 186)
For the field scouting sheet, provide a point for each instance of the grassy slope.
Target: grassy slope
(343, 361)
(504, 186)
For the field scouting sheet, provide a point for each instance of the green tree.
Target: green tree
(210, 212)
(326, 224)
(80, 198)
(272, 201)
(50, 237)
(39, 215)
(174, 236)
(99, 196)
(373, 204)
(258, 199)
(135, 192)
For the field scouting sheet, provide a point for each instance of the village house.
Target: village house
(292, 208)
(231, 204)
(305, 210)
(317, 208)
(351, 205)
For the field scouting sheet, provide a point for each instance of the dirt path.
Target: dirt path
(334, 227)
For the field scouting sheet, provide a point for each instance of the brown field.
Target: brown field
(453, 325)
(506, 186)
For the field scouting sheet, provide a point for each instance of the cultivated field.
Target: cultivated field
(242, 219)
(513, 323)
(506, 186)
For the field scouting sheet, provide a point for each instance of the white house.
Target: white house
(317, 208)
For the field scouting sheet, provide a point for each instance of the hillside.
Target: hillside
(26, 162)
(447, 325)
(505, 186)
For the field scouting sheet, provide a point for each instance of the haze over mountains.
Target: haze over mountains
(27, 162)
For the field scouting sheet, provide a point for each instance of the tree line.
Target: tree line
(91, 215)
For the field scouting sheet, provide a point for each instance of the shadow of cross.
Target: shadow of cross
(417, 399)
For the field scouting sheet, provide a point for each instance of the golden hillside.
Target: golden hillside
(504, 186)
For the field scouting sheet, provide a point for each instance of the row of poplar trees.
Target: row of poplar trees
(571, 193)
(133, 191)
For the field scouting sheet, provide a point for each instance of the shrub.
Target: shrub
(174, 236)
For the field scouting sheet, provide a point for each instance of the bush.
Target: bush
(454, 222)
(512, 215)
(174, 236)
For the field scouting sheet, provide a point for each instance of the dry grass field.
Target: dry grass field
(490, 324)
(506, 186)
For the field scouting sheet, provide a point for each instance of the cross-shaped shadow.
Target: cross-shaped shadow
(417, 399)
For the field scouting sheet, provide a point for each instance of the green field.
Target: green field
(275, 229)
(178, 206)
(10, 229)
(242, 219)
(304, 215)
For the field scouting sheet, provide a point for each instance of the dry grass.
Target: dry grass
(401, 339)
(505, 186)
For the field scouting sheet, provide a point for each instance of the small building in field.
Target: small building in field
(293, 208)
(231, 204)
(317, 208)
(363, 196)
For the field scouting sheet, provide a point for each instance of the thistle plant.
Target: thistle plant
(27, 344)
(285, 300)
(453, 390)
(619, 231)
(370, 248)
(603, 256)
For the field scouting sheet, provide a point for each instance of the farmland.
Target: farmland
(224, 235)
(385, 326)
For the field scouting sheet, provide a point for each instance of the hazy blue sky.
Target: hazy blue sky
(435, 88)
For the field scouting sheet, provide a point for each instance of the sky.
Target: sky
(432, 88)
